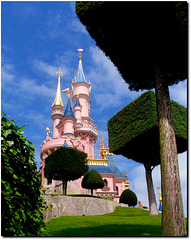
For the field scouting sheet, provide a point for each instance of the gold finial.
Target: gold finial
(140, 204)
(68, 92)
(160, 194)
(80, 54)
(78, 94)
(59, 73)
(126, 183)
(48, 133)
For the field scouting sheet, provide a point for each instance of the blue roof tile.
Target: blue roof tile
(77, 103)
(68, 110)
(65, 144)
(80, 74)
(112, 165)
(100, 169)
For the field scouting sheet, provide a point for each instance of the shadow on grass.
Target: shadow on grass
(113, 230)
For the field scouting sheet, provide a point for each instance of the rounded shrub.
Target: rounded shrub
(92, 180)
(128, 197)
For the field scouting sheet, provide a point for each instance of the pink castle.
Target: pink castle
(74, 128)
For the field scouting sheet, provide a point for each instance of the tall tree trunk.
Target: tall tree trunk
(173, 222)
(92, 192)
(151, 194)
(64, 182)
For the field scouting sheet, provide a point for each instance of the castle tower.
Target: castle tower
(81, 89)
(78, 113)
(57, 107)
(68, 119)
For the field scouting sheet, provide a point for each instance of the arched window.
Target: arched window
(105, 183)
(117, 189)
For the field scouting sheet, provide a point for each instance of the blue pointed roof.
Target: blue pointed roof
(65, 144)
(80, 74)
(68, 110)
(77, 102)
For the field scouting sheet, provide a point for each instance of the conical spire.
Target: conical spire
(77, 101)
(80, 74)
(68, 110)
(65, 143)
(58, 98)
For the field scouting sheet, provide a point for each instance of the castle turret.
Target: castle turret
(68, 119)
(77, 112)
(85, 130)
(57, 107)
(82, 87)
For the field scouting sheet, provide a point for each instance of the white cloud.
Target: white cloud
(76, 26)
(45, 68)
(178, 92)
(109, 86)
(6, 74)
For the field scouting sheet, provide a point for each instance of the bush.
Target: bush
(21, 203)
(128, 197)
(92, 180)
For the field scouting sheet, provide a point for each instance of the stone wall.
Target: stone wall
(77, 206)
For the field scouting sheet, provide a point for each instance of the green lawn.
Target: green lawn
(122, 222)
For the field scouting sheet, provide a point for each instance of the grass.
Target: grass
(122, 222)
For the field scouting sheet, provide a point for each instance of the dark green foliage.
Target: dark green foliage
(133, 131)
(128, 197)
(66, 164)
(138, 35)
(92, 180)
(21, 203)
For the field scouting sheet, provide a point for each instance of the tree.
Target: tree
(92, 180)
(128, 197)
(21, 204)
(133, 132)
(65, 164)
(148, 42)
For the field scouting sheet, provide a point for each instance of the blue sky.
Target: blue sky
(39, 37)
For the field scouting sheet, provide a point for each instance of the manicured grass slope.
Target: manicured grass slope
(122, 222)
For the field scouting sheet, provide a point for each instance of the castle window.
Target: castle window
(105, 183)
(117, 189)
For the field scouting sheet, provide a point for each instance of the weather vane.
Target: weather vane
(68, 92)
(80, 54)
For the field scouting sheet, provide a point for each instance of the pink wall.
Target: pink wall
(68, 126)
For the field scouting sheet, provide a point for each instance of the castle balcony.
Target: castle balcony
(51, 144)
(88, 124)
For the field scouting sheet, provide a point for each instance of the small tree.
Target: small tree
(92, 180)
(21, 203)
(128, 197)
(66, 164)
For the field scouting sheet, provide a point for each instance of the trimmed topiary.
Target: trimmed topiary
(92, 180)
(66, 164)
(128, 197)
(134, 131)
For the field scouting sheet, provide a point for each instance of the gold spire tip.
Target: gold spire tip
(59, 73)
(80, 54)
